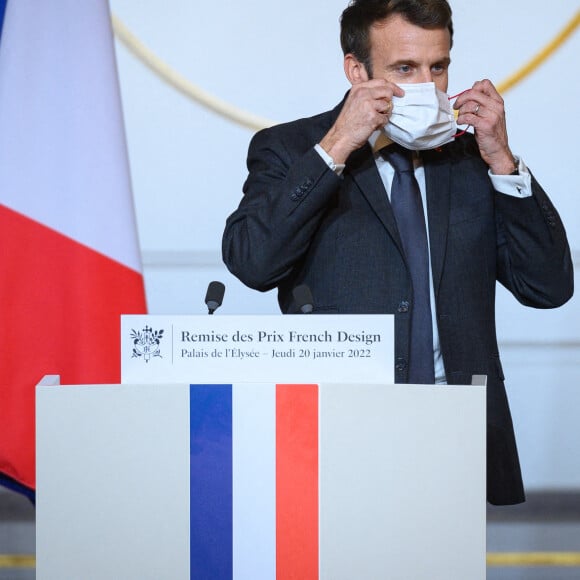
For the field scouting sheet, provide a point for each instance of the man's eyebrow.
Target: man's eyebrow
(409, 61)
(445, 60)
(403, 61)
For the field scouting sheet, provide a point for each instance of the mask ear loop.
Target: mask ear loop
(463, 131)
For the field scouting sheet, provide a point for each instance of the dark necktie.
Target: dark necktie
(408, 209)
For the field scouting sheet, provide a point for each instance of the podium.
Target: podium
(259, 481)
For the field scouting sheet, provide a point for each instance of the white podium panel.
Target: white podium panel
(403, 474)
(112, 482)
(260, 481)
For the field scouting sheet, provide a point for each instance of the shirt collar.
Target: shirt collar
(378, 140)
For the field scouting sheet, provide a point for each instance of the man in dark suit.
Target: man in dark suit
(318, 210)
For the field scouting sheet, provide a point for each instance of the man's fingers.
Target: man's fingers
(380, 88)
(484, 94)
(488, 88)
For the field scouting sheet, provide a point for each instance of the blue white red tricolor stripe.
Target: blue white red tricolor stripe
(254, 481)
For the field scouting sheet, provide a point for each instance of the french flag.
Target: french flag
(70, 262)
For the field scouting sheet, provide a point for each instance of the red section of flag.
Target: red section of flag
(296, 482)
(60, 304)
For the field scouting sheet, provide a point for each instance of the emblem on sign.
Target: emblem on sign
(146, 343)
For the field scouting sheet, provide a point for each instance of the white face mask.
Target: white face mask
(422, 118)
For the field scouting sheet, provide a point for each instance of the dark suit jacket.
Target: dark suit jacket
(300, 223)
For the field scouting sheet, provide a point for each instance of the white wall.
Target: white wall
(282, 60)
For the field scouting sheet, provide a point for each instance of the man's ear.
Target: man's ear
(355, 70)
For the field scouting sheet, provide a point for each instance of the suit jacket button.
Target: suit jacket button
(297, 193)
(400, 363)
(403, 307)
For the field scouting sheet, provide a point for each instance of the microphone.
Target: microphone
(303, 299)
(214, 296)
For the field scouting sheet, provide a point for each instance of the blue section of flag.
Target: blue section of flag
(211, 531)
(2, 10)
(12, 484)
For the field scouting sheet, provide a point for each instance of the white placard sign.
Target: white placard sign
(281, 349)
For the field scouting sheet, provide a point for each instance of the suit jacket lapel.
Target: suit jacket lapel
(363, 170)
(438, 183)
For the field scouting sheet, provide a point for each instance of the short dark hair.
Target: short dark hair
(360, 15)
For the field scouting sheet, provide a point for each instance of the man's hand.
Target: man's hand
(482, 107)
(367, 108)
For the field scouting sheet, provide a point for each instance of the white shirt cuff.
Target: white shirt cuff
(338, 168)
(515, 185)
